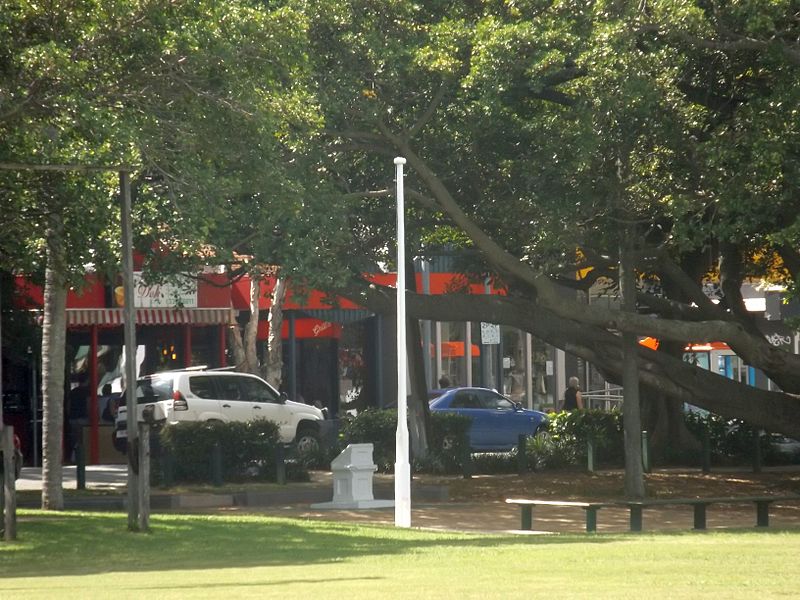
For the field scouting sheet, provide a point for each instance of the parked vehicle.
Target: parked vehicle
(179, 396)
(497, 422)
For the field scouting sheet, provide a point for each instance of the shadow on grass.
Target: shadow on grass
(73, 543)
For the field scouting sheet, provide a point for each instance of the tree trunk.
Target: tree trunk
(664, 418)
(274, 366)
(243, 342)
(418, 410)
(631, 415)
(54, 331)
(251, 328)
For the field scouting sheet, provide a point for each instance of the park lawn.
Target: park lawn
(91, 555)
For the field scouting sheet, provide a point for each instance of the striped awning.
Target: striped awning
(112, 317)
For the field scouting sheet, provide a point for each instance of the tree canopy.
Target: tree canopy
(547, 132)
(539, 136)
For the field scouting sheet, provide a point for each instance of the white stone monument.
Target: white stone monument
(352, 480)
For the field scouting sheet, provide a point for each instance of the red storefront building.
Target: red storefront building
(339, 357)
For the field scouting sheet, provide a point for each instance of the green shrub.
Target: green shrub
(372, 426)
(730, 440)
(449, 443)
(448, 439)
(568, 433)
(492, 463)
(248, 450)
(546, 452)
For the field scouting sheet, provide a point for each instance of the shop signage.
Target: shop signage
(181, 293)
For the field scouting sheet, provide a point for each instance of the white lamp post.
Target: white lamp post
(402, 469)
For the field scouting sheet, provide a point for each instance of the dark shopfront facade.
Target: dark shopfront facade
(342, 358)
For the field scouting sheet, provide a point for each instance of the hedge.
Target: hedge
(248, 451)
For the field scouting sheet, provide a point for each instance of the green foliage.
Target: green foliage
(731, 441)
(204, 100)
(545, 452)
(567, 437)
(248, 450)
(449, 443)
(448, 439)
(376, 427)
(492, 463)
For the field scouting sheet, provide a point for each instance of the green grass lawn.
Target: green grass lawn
(91, 555)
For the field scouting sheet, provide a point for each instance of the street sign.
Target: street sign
(490, 333)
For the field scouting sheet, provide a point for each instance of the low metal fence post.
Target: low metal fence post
(522, 456)
(280, 464)
(466, 462)
(80, 461)
(757, 450)
(706, 450)
(216, 464)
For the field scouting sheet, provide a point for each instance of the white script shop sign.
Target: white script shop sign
(180, 292)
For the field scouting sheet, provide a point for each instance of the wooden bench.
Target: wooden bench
(700, 505)
(636, 508)
(526, 510)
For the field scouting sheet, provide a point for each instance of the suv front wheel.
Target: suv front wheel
(307, 440)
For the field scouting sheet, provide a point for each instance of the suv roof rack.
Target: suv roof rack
(189, 369)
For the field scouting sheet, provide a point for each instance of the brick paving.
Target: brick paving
(498, 517)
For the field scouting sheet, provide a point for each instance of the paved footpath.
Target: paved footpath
(427, 513)
(498, 517)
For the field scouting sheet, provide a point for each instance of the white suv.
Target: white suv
(176, 396)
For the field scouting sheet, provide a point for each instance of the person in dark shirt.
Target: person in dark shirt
(572, 395)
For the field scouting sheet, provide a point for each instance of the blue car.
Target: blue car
(497, 422)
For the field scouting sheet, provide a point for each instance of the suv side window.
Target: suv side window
(228, 387)
(153, 389)
(254, 390)
(203, 387)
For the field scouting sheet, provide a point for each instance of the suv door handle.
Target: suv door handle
(226, 406)
(256, 407)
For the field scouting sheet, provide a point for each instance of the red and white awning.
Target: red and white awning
(112, 317)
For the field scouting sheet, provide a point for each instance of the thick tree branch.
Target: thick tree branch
(682, 381)
(430, 111)
(734, 43)
(753, 348)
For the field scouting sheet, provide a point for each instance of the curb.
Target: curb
(195, 501)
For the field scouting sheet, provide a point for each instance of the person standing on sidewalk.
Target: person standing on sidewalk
(572, 395)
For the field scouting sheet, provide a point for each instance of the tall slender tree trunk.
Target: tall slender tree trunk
(243, 343)
(54, 331)
(274, 366)
(419, 415)
(631, 412)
